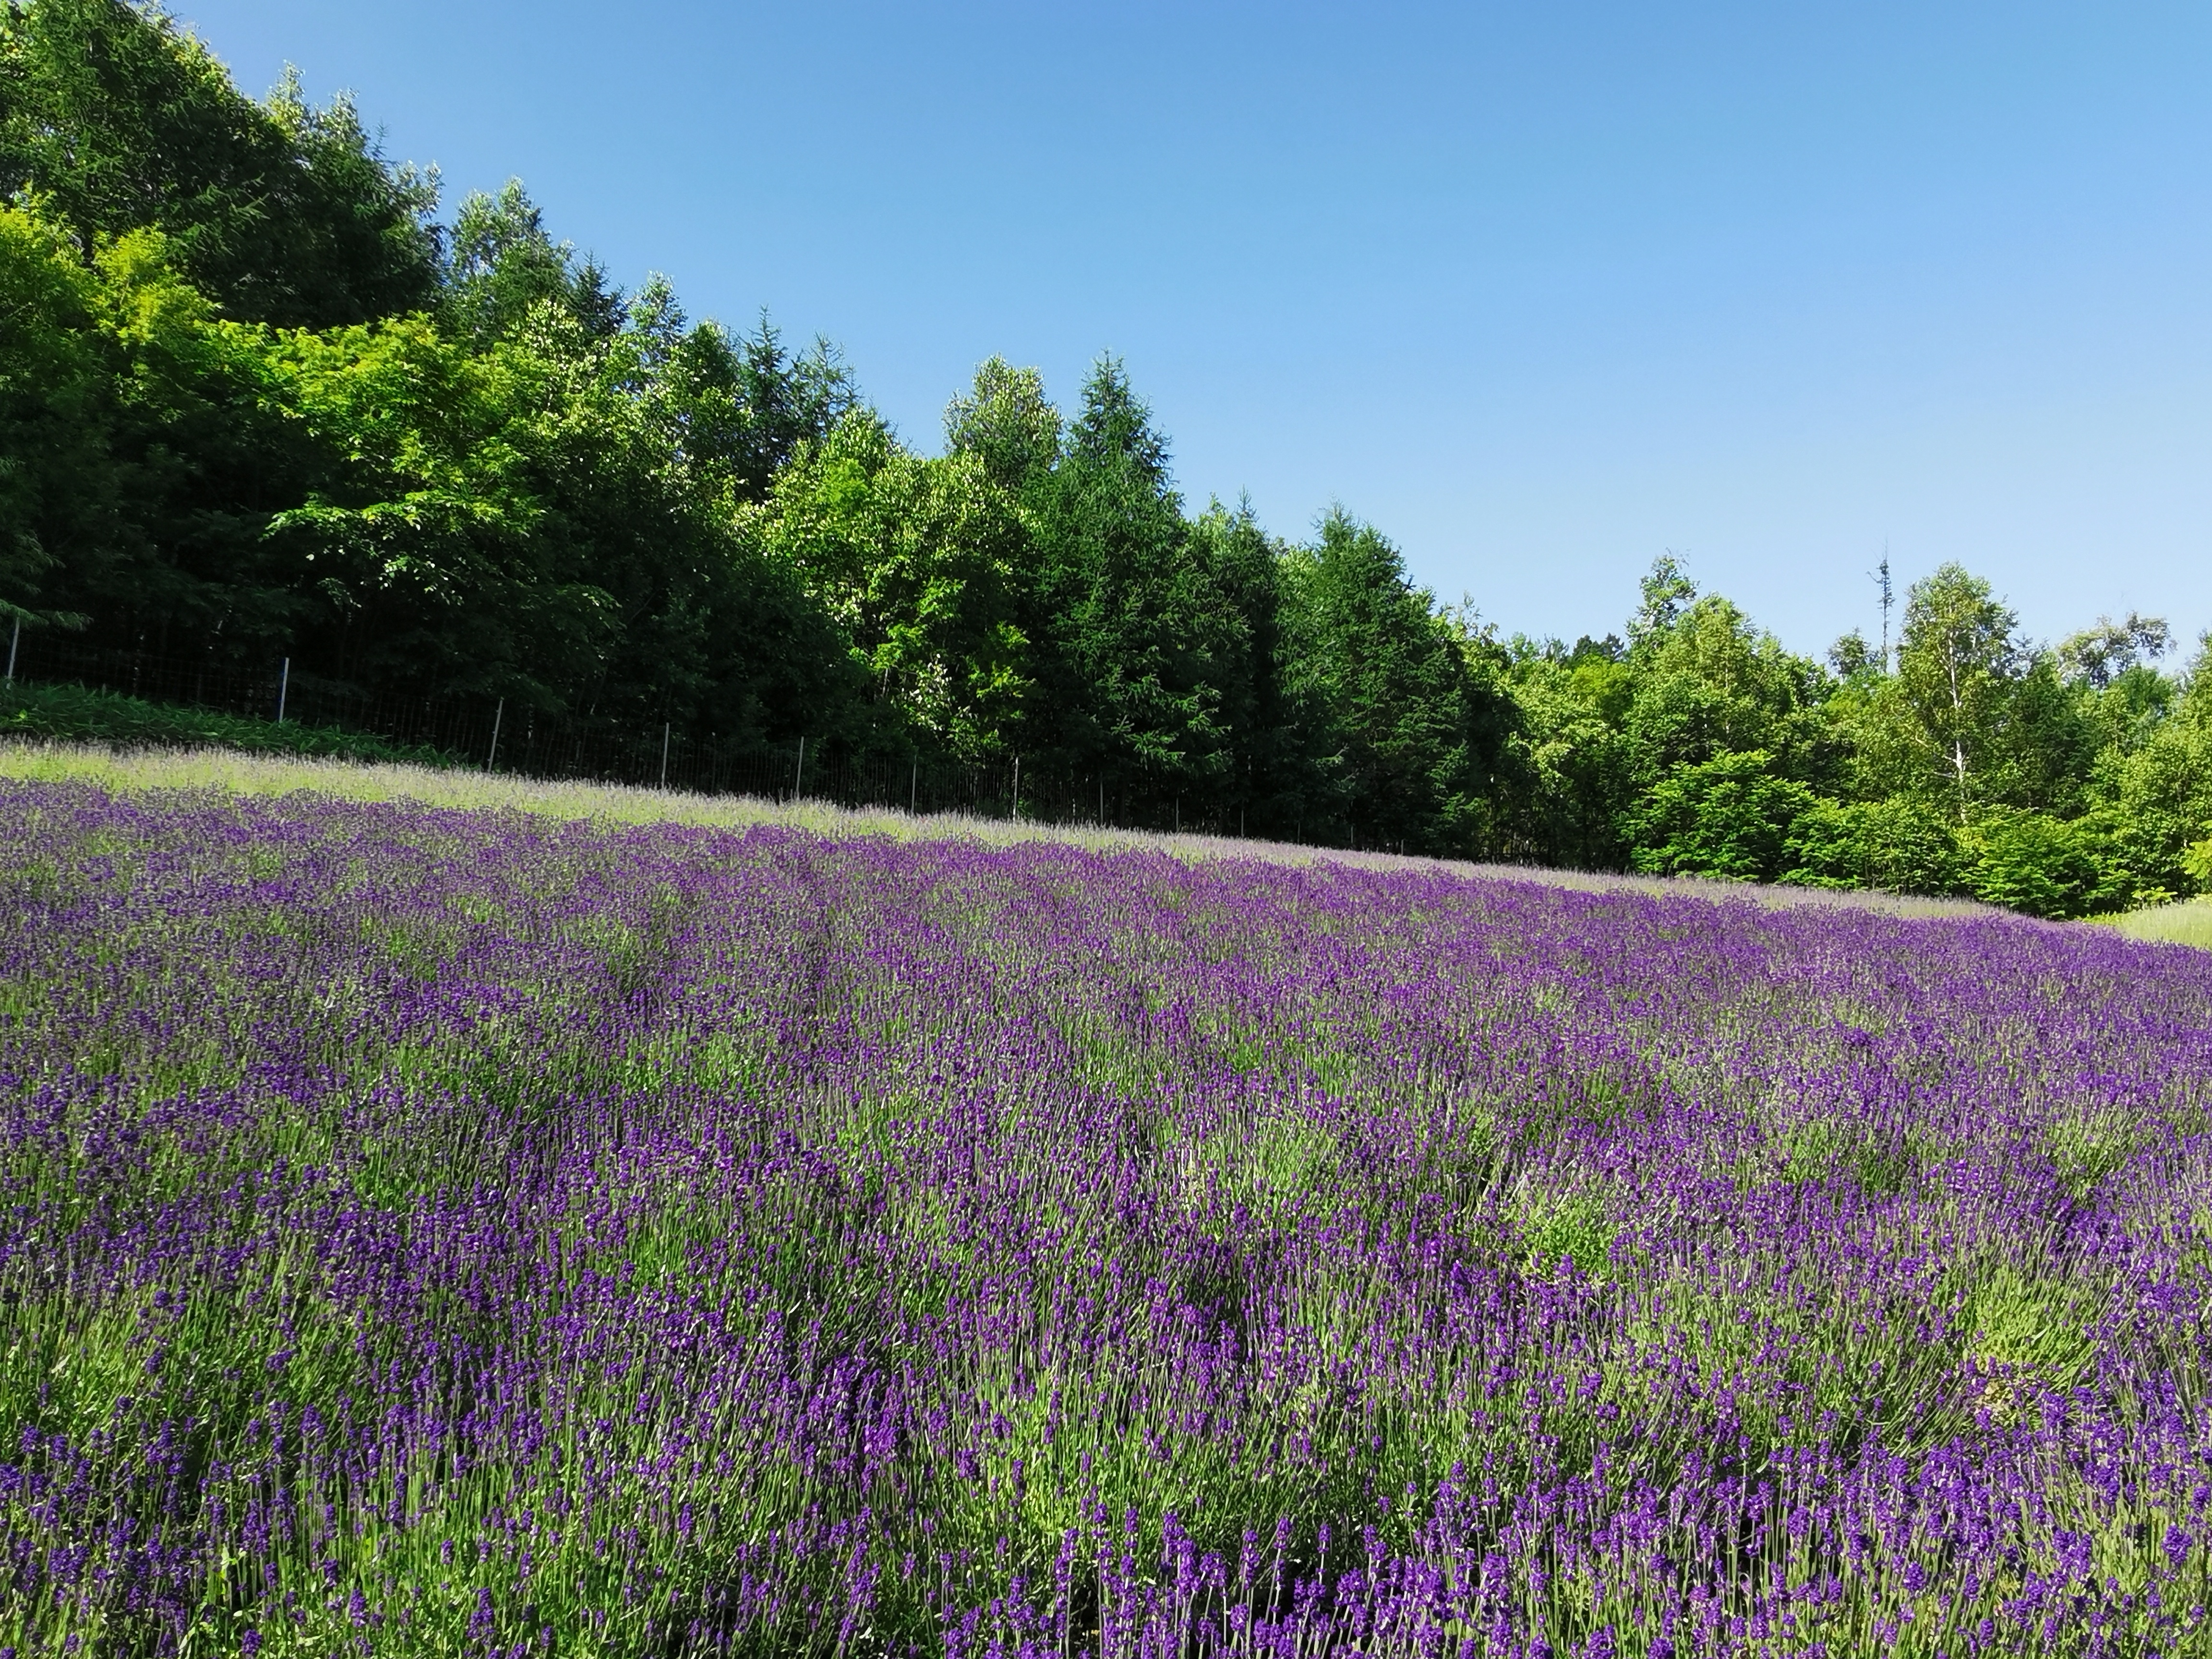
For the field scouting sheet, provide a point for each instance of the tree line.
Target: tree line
(257, 398)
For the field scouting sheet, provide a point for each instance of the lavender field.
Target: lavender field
(428, 1231)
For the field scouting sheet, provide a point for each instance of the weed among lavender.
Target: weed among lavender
(437, 1231)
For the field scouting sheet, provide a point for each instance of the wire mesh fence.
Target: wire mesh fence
(499, 735)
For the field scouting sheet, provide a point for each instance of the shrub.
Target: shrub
(2044, 865)
(2197, 863)
(74, 714)
(1728, 817)
(1900, 845)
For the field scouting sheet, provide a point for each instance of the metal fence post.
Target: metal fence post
(799, 773)
(663, 754)
(284, 686)
(15, 639)
(497, 715)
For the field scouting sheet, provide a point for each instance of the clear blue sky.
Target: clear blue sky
(1541, 290)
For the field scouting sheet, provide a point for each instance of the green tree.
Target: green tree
(732, 410)
(2045, 743)
(1568, 773)
(1132, 640)
(197, 460)
(916, 561)
(1595, 730)
(437, 544)
(2196, 683)
(2044, 865)
(526, 520)
(1851, 655)
(1006, 421)
(58, 489)
(282, 212)
(1664, 593)
(1707, 682)
(1958, 664)
(1395, 714)
(505, 266)
(2151, 785)
(1274, 733)
(2107, 651)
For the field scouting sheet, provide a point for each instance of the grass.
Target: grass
(2188, 921)
(241, 772)
(74, 714)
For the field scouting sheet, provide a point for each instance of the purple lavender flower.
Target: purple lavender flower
(439, 1229)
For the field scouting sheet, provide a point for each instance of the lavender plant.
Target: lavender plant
(430, 1232)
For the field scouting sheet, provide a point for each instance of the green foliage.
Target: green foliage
(1957, 664)
(918, 562)
(1729, 818)
(430, 529)
(2107, 651)
(280, 212)
(1851, 655)
(1707, 683)
(1899, 845)
(143, 464)
(2197, 862)
(1132, 635)
(72, 713)
(1006, 422)
(1273, 770)
(1634, 754)
(1385, 693)
(57, 486)
(2047, 867)
(516, 521)
(505, 266)
(2047, 744)
(1665, 591)
(1568, 775)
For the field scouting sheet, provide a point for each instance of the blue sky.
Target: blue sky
(1541, 290)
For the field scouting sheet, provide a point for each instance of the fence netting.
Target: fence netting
(503, 735)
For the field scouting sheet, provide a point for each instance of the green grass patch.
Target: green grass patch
(74, 714)
(2189, 922)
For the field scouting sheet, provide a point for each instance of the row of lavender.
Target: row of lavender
(436, 1232)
